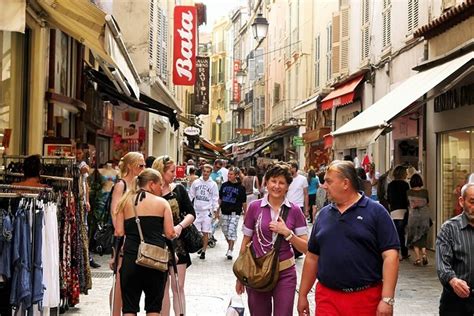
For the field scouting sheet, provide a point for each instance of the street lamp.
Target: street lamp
(240, 74)
(218, 119)
(260, 27)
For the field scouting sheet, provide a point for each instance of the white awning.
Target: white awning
(13, 15)
(378, 115)
(306, 105)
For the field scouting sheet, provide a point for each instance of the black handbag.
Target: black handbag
(192, 239)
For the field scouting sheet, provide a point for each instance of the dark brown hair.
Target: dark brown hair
(416, 181)
(279, 169)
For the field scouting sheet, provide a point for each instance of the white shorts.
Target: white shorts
(229, 226)
(203, 221)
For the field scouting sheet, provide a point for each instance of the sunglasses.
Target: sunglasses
(141, 166)
(166, 159)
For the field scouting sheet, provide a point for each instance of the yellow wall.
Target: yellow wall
(452, 38)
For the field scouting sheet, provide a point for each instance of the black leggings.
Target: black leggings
(134, 279)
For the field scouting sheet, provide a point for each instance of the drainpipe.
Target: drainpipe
(52, 62)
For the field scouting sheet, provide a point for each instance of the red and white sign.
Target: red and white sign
(235, 84)
(184, 54)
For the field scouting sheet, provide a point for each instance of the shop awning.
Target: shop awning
(379, 115)
(356, 139)
(146, 103)
(85, 22)
(259, 148)
(13, 15)
(306, 105)
(342, 95)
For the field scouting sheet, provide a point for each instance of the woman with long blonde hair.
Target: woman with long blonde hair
(183, 216)
(143, 200)
(130, 167)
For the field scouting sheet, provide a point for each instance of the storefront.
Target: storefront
(452, 136)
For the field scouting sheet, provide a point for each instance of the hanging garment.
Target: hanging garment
(38, 288)
(50, 256)
(6, 235)
(21, 287)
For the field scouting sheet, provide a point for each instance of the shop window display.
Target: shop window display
(457, 163)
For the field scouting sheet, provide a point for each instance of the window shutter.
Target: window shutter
(276, 93)
(336, 43)
(386, 40)
(416, 6)
(261, 119)
(344, 40)
(365, 27)
(151, 39)
(317, 54)
(164, 48)
(251, 70)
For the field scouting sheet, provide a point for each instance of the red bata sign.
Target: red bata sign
(184, 54)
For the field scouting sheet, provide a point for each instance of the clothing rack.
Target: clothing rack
(18, 174)
(24, 187)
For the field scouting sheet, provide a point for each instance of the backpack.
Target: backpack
(104, 235)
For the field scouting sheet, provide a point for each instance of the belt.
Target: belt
(360, 288)
(285, 264)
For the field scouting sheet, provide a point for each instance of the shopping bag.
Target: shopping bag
(236, 307)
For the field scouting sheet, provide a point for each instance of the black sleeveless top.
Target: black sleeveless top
(152, 228)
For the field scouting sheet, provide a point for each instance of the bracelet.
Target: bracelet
(287, 238)
(182, 227)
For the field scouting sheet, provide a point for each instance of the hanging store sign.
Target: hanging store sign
(298, 141)
(235, 83)
(192, 131)
(201, 88)
(184, 53)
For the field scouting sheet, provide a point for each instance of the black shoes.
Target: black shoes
(94, 264)
(203, 255)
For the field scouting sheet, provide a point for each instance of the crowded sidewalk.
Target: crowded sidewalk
(210, 284)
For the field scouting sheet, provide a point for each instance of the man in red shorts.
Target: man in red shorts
(352, 251)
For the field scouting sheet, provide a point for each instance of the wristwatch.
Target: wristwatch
(389, 300)
(287, 238)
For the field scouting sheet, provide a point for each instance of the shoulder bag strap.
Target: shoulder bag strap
(284, 216)
(137, 220)
(253, 182)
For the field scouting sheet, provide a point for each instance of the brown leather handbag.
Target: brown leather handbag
(150, 256)
(260, 274)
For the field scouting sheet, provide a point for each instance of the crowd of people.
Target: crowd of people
(363, 224)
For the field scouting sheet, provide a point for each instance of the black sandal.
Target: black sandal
(425, 260)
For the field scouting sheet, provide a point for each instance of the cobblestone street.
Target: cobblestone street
(210, 285)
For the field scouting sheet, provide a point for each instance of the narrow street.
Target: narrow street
(210, 285)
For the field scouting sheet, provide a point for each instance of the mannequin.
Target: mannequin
(109, 177)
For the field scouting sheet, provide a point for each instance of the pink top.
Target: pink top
(256, 225)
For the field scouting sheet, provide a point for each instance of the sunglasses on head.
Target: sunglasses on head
(166, 159)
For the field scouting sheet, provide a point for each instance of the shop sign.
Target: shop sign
(454, 98)
(192, 131)
(201, 88)
(235, 84)
(244, 131)
(298, 141)
(184, 52)
(7, 133)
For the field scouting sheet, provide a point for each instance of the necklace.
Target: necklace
(262, 240)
